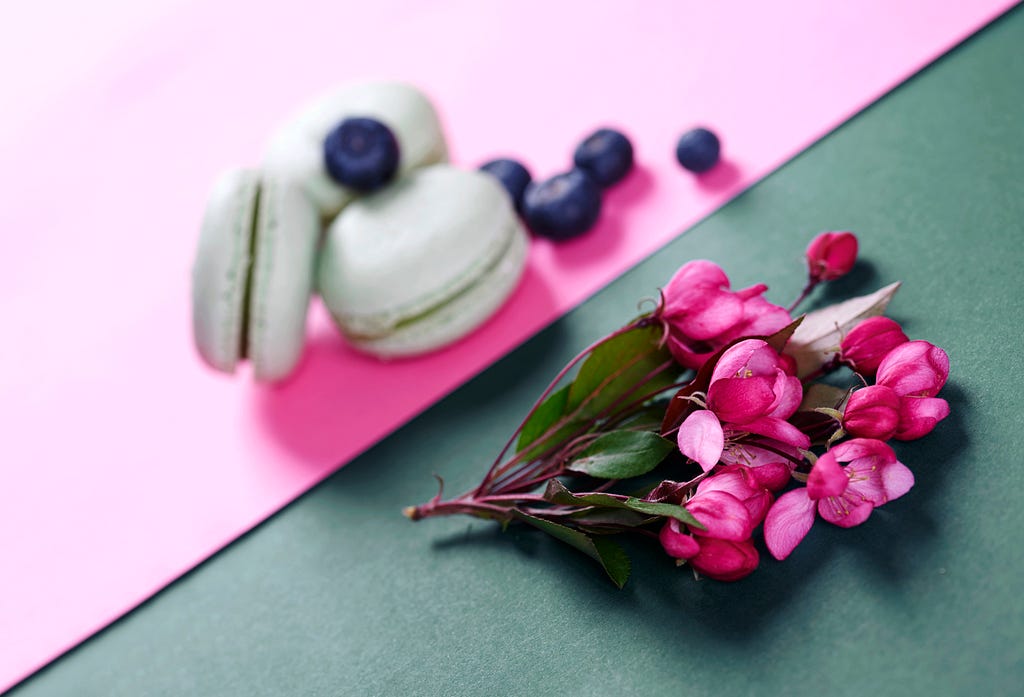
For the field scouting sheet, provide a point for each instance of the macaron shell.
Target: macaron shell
(221, 269)
(412, 246)
(461, 315)
(287, 234)
(296, 150)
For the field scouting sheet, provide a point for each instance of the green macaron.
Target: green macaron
(253, 273)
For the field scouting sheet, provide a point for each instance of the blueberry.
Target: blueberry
(698, 150)
(562, 207)
(361, 153)
(605, 155)
(512, 175)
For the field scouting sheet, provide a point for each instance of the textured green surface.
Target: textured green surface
(340, 595)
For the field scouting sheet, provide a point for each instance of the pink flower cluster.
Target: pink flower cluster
(703, 315)
(742, 432)
(902, 402)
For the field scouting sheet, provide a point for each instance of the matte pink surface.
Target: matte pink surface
(125, 461)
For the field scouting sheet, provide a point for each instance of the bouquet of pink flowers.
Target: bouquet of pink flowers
(707, 418)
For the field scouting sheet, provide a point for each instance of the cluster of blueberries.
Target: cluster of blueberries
(362, 153)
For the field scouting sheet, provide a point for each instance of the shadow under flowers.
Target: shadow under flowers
(887, 551)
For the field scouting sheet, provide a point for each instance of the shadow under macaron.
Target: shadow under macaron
(339, 397)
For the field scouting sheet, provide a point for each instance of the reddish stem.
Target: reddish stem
(812, 283)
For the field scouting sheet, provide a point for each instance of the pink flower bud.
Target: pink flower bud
(724, 560)
(872, 412)
(831, 255)
(914, 369)
(869, 342)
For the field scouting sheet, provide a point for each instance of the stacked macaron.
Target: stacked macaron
(416, 253)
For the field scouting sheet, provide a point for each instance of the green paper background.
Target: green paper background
(340, 595)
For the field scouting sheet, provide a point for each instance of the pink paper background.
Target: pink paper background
(125, 462)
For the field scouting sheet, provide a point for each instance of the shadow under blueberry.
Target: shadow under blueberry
(721, 177)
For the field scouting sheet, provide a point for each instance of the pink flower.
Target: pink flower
(729, 505)
(844, 496)
(916, 371)
(703, 315)
(712, 503)
(722, 560)
(831, 255)
(869, 342)
(872, 412)
(750, 395)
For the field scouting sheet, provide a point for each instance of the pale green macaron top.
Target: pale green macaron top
(253, 273)
(421, 262)
(296, 149)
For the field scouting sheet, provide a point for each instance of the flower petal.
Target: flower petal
(751, 455)
(897, 479)
(772, 475)
(872, 412)
(677, 543)
(856, 448)
(916, 368)
(789, 392)
(779, 430)
(845, 511)
(692, 273)
(760, 318)
(738, 400)
(704, 313)
(747, 358)
(732, 480)
(919, 415)
(758, 506)
(827, 478)
(788, 522)
(723, 516)
(687, 353)
(701, 438)
(724, 560)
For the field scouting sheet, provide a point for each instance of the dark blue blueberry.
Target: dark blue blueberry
(698, 150)
(605, 155)
(562, 207)
(361, 153)
(512, 175)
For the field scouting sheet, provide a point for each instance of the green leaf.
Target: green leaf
(606, 552)
(668, 510)
(648, 418)
(617, 367)
(622, 454)
(557, 493)
(600, 519)
(547, 415)
(820, 394)
(779, 339)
